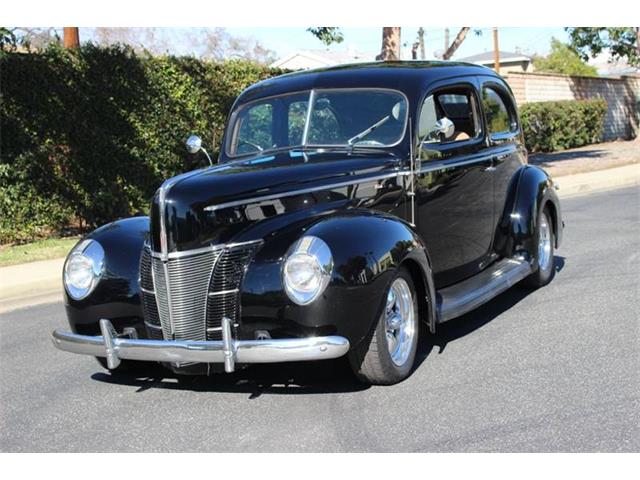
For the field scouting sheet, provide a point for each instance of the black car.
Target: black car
(347, 204)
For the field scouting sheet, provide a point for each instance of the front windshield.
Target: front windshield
(337, 118)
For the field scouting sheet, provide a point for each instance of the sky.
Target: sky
(287, 40)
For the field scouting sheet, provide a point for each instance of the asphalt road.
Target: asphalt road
(551, 370)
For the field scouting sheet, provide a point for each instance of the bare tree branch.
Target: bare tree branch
(456, 43)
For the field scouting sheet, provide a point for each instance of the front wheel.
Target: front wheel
(544, 256)
(387, 354)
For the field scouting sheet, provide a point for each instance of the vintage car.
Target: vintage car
(347, 204)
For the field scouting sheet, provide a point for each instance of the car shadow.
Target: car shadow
(321, 377)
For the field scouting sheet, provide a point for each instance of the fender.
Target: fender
(367, 247)
(530, 190)
(117, 295)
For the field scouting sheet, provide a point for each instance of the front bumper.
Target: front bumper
(228, 351)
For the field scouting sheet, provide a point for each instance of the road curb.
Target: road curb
(599, 180)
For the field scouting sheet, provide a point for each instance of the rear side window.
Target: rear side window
(499, 112)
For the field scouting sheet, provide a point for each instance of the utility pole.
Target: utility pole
(638, 40)
(71, 37)
(446, 39)
(496, 51)
(421, 42)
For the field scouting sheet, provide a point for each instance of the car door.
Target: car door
(454, 183)
(504, 138)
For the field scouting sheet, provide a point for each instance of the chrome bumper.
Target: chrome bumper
(228, 350)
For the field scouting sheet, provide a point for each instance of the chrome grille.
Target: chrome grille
(181, 294)
(185, 298)
(224, 288)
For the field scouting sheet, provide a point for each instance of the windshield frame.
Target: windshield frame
(312, 93)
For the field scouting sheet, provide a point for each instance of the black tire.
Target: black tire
(543, 275)
(371, 360)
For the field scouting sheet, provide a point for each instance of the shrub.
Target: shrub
(551, 126)
(88, 135)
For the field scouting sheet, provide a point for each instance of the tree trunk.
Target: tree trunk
(390, 44)
(456, 43)
(421, 41)
(71, 37)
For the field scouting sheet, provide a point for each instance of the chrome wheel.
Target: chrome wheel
(544, 243)
(400, 321)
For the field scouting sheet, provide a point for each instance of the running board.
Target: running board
(463, 297)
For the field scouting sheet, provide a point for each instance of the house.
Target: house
(308, 59)
(509, 61)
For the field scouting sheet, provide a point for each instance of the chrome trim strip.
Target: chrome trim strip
(150, 292)
(150, 325)
(302, 191)
(162, 196)
(196, 251)
(432, 166)
(307, 121)
(172, 351)
(223, 292)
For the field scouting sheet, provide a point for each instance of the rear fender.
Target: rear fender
(531, 189)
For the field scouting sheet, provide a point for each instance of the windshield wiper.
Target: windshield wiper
(251, 144)
(366, 132)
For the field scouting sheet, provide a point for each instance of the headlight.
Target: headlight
(83, 269)
(307, 269)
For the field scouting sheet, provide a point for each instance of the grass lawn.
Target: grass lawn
(31, 252)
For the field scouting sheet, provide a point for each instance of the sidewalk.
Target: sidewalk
(30, 284)
(577, 172)
(601, 156)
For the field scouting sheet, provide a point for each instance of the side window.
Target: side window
(458, 108)
(500, 118)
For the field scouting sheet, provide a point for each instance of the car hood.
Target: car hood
(215, 204)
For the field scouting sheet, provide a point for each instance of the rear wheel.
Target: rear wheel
(387, 354)
(545, 251)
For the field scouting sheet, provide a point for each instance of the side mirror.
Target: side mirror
(445, 127)
(194, 144)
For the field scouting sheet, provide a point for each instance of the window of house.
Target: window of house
(500, 118)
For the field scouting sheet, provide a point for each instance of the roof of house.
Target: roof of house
(487, 57)
(326, 57)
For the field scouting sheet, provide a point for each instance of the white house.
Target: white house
(307, 59)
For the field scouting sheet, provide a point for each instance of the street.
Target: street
(551, 370)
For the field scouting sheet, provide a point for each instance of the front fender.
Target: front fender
(366, 247)
(117, 295)
(531, 189)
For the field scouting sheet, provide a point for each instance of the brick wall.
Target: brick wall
(621, 94)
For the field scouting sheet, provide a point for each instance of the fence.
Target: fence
(621, 94)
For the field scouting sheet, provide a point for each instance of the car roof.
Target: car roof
(409, 77)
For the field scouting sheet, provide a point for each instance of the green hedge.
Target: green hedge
(87, 136)
(551, 126)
